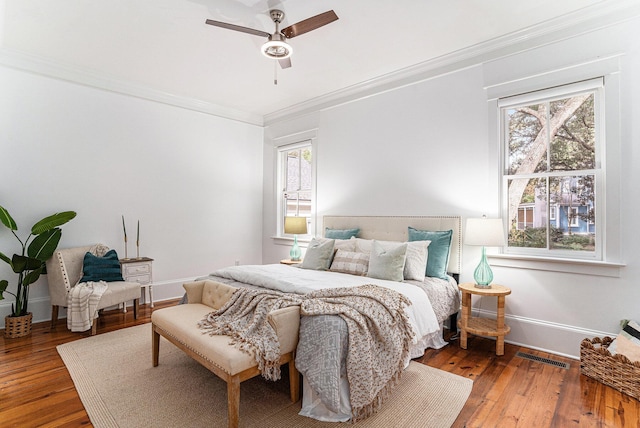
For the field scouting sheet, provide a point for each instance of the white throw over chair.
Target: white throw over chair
(64, 271)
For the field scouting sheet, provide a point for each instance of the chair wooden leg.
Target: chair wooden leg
(54, 316)
(155, 346)
(136, 308)
(94, 327)
(233, 400)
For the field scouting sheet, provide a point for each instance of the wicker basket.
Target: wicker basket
(616, 371)
(17, 326)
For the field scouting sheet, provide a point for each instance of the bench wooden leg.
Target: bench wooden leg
(233, 400)
(155, 347)
(94, 327)
(294, 381)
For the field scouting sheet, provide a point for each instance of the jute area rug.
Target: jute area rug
(119, 388)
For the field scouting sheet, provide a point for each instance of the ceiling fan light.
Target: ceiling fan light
(277, 49)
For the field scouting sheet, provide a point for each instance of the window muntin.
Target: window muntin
(550, 141)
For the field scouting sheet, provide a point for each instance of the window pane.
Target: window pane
(573, 145)
(293, 170)
(574, 227)
(527, 138)
(304, 204)
(528, 212)
(305, 171)
(298, 174)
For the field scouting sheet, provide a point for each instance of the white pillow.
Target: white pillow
(387, 264)
(416, 257)
(350, 262)
(415, 265)
(345, 244)
(318, 254)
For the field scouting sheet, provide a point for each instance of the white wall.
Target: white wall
(430, 148)
(193, 180)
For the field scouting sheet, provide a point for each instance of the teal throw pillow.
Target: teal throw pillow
(106, 268)
(340, 233)
(439, 249)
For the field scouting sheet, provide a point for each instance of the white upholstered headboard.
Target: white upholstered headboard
(394, 228)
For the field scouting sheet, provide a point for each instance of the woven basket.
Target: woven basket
(17, 326)
(616, 371)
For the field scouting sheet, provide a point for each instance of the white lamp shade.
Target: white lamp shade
(488, 232)
(295, 225)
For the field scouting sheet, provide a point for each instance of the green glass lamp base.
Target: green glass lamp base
(483, 274)
(295, 253)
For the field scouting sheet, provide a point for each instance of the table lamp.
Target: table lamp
(486, 232)
(295, 226)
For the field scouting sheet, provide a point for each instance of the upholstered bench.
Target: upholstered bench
(179, 325)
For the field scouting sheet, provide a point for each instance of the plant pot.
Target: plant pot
(17, 326)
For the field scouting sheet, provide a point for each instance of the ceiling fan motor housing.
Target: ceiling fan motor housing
(277, 46)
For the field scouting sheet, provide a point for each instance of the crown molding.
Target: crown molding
(586, 20)
(46, 67)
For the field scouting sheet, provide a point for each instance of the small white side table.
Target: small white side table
(139, 270)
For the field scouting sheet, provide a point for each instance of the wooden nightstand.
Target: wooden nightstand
(483, 326)
(290, 262)
(139, 270)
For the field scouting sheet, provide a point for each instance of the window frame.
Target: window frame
(281, 154)
(596, 86)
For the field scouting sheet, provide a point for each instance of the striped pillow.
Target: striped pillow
(350, 262)
(627, 342)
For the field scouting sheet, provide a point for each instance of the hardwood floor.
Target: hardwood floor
(508, 391)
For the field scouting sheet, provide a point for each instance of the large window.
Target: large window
(296, 182)
(551, 142)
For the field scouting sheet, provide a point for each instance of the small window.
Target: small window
(295, 182)
(551, 143)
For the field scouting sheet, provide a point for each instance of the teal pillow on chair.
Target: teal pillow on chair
(106, 268)
(340, 233)
(439, 249)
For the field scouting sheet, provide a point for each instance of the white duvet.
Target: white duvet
(290, 279)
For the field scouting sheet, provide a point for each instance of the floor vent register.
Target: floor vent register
(543, 360)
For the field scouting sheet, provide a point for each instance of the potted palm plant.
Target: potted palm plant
(29, 265)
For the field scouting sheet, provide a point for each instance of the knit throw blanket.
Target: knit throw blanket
(379, 334)
(82, 304)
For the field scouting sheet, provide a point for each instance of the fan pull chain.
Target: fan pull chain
(275, 71)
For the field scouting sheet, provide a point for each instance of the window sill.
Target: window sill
(285, 240)
(584, 267)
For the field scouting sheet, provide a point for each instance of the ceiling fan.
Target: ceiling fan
(276, 46)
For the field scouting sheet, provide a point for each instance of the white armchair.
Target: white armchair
(64, 270)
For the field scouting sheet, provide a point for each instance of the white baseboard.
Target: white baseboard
(559, 339)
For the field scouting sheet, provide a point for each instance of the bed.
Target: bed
(323, 343)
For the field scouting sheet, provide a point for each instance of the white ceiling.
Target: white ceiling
(165, 45)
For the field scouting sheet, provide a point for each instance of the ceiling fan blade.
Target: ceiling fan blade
(285, 63)
(237, 28)
(309, 24)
